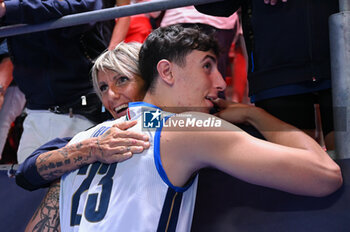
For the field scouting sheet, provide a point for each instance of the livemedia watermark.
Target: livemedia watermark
(157, 118)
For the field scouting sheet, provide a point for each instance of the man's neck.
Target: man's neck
(150, 98)
(160, 102)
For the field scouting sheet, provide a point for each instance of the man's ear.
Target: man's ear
(164, 68)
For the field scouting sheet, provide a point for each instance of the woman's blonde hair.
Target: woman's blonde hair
(123, 59)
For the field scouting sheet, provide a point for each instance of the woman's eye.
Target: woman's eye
(122, 80)
(103, 88)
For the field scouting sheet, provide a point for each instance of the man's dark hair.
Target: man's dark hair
(173, 43)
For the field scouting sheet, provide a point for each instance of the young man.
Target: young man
(155, 191)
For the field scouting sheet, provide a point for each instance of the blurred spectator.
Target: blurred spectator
(134, 28)
(121, 27)
(289, 61)
(140, 26)
(225, 29)
(12, 100)
(236, 78)
(52, 69)
(239, 72)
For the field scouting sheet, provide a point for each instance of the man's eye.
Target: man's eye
(103, 88)
(207, 66)
(122, 80)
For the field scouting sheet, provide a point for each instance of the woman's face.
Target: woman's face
(118, 90)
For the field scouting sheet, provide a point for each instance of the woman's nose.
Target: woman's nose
(113, 93)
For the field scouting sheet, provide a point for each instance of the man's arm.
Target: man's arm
(290, 161)
(116, 145)
(46, 217)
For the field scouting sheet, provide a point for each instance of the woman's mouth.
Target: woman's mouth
(121, 109)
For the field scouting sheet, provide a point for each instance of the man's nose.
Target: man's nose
(219, 82)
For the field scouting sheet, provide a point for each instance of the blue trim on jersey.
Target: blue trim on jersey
(137, 104)
(158, 161)
(170, 212)
(100, 131)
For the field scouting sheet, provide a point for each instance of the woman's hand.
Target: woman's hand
(117, 144)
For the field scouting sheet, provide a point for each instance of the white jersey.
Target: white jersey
(134, 195)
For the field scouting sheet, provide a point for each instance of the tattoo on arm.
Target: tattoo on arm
(81, 161)
(46, 218)
(78, 145)
(63, 152)
(52, 170)
(42, 158)
(53, 175)
(52, 165)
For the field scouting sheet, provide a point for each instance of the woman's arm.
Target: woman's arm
(49, 163)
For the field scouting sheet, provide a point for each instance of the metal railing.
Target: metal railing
(100, 15)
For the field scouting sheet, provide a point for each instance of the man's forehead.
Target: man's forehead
(201, 56)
